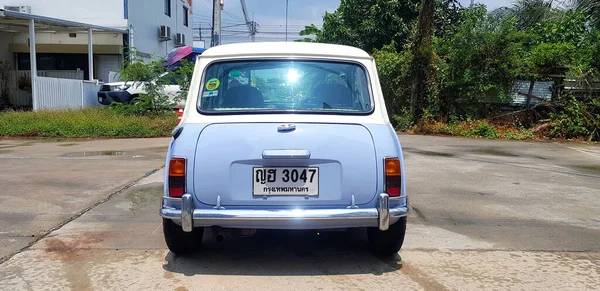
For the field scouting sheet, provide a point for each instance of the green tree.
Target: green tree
(145, 72)
(591, 8)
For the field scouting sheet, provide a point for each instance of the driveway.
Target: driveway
(484, 215)
(43, 184)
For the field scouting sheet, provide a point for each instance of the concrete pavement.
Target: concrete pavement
(43, 184)
(484, 215)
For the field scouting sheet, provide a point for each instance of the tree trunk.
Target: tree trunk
(421, 67)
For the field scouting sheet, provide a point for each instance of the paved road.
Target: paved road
(485, 215)
(43, 184)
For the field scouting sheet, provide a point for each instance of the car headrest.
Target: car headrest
(334, 95)
(244, 96)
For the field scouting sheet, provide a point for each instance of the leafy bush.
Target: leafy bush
(150, 74)
(476, 128)
(84, 123)
(577, 119)
(402, 122)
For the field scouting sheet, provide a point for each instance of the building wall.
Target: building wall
(5, 54)
(146, 16)
(98, 38)
(99, 12)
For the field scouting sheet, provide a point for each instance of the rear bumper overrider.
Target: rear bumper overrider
(182, 211)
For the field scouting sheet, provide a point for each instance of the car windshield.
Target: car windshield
(285, 86)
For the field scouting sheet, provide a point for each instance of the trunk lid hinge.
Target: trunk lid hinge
(219, 207)
(353, 205)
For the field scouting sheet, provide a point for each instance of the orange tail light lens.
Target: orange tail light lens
(177, 177)
(393, 177)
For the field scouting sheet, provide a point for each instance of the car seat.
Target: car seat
(244, 96)
(332, 96)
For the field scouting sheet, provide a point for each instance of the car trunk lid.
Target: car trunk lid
(314, 164)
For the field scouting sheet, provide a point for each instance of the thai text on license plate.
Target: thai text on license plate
(285, 181)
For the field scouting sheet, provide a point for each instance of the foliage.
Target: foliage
(184, 74)
(472, 128)
(577, 119)
(309, 30)
(468, 68)
(149, 74)
(402, 121)
(84, 123)
(393, 70)
(591, 8)
(369, 24)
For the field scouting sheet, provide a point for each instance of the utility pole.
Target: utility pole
(216, 29)
(250, 24)
(253, 28)
(286, 16)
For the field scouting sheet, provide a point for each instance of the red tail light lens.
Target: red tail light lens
(177, 177)
(393, 177)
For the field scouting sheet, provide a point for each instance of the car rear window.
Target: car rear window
(280, 86)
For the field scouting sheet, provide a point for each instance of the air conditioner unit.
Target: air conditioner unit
(180, 39)
(20, 9)
(164, 33)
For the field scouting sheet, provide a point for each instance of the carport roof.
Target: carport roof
(19, 22)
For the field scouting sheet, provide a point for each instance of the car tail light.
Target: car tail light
(177, 177)
(393, 177)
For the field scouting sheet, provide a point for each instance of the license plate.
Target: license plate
(285, 181)
(99, 99)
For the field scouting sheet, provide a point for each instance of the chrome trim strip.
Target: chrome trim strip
(383, 210)
(187, 211)
(286, 154)
(380, 217)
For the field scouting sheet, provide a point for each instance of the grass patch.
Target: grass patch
(476, 128)
(84, 123)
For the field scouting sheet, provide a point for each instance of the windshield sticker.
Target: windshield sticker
(210, 93)
(212, 84)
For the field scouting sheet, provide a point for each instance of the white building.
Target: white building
(67, 49)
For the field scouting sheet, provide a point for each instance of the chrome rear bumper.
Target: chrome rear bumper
(380, 217)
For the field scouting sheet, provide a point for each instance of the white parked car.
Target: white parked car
(125, 92)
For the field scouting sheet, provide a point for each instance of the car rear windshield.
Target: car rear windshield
(280, 86)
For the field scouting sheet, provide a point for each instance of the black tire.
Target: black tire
(389, 242)
(131, 99)
(179, 241)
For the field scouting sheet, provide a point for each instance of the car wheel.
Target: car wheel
(131, 99)
(387, 242)
(179, 241)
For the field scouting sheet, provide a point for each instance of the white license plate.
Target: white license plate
(285, 181)
(99, 99)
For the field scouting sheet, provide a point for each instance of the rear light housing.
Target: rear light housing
(393, 177)
(177, 170)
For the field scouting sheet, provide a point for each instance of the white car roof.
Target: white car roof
(285, 48)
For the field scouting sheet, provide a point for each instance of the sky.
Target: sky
(270, 15)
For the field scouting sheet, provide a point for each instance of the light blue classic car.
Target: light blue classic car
(284, 136)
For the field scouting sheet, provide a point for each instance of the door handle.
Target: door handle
(286, 154)
(286, 127)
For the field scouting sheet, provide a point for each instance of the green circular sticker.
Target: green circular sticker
(212, 84)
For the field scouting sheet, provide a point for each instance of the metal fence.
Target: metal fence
(19, 84)
(56, 93)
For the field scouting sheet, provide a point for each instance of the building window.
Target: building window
(126, 8)
(186, 20)
(168, 7)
